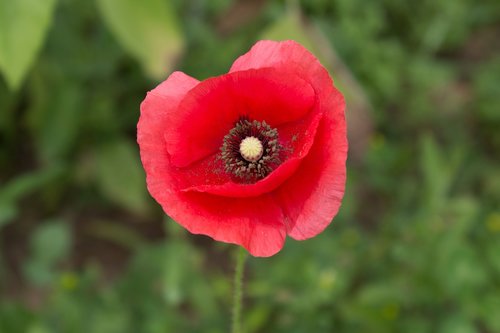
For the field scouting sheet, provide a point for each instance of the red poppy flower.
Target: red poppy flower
(250, 156)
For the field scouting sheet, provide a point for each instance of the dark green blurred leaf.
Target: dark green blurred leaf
(38, 328)
(148, 30)
(49, 244)
(290, 26)
(24, 184)
(21, 186)
(54, 120)
(51, 241)
(439, 170)
(490, 303)
(120, 176)
(457, 324)
(116, 233)
(23, 25)
(14, 318)
(7, 213)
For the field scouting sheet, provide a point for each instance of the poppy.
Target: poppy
(250, 156)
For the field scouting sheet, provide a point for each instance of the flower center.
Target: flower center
(251, 150)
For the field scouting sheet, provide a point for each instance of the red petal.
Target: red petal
(255, 223)
(211, 109)
(156, 112)
(290, 56)
(312, 196)
(175, 86)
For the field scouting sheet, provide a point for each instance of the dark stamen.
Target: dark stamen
(242, 169)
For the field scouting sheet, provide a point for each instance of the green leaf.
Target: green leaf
(290, 26)
(457, 324)
(27, 183)
(120, 176)
(38, 328)
(439, 169)
(118, 234)
(434, 168)
(7, 213)
(55, 119)
(147, 29)
(50, 243)
(23, 26)
(21, 186)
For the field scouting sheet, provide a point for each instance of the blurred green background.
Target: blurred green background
(415, 248)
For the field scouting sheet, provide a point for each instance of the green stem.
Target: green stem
(238, 290)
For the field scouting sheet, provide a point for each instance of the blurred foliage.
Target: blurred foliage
(415, 248)
(22, 30)
(155, 51)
